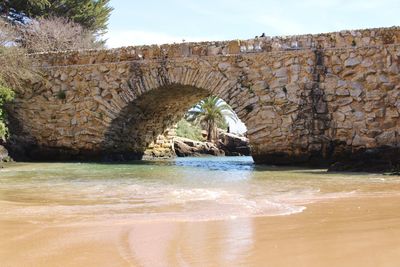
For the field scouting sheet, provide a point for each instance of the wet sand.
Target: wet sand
(359, 231)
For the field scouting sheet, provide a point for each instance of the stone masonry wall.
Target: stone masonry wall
(299, 104)
(163, 146)
(343, 39)
(117, 107)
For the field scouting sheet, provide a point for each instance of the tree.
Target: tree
(209, 113)
(93, 15)
(56, 34)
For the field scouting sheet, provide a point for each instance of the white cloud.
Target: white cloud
(119, 38)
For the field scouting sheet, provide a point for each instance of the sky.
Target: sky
(168, 21)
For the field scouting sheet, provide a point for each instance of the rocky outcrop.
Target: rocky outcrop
(189, 148)
(234, 145)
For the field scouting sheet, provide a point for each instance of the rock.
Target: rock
(281, 73)
(212, 50)
(342, 92)
(234, 47)
(356, 89)
(321, 107)
(223, 66)
(64, 77)
(386, 138)
(158, 153)
(363, 141)
(190, 148)
(344, 101)
(182, 149)
(234, 145)
(4, 157)
(351, 62)
(339, 116)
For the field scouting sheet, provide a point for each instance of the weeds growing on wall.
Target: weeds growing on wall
(6, 95)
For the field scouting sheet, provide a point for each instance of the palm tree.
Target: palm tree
(211, 112)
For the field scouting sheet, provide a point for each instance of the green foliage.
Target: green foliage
(6, 95)
(15, 67)
(26, 6)
(61, 95)
(91, 14)
(210, 113)
(188, 130)
(249, 108)
(3, 129)
(222, 124)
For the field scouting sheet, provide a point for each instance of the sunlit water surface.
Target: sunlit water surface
(192, 189)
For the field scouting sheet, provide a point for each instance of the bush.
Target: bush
(187, 130)
(91, 14)
(61, 95)
(7, 33)
(6, 95)
(56, 34)
(15, 68)
(42, 35)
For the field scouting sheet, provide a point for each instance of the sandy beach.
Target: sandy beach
(350, 232)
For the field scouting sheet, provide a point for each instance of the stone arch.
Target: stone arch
(159, 97)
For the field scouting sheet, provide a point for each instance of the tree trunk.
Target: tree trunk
(209, 132)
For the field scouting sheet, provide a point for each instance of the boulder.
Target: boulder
(190, 148)
(158, 153)
(182, 149)
(234, 145)
(4, 157)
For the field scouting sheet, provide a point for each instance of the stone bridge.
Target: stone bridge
(304, 99)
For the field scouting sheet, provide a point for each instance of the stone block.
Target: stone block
(351, 62)
(234, 47)
(386, 138)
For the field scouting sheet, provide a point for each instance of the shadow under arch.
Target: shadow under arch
(146, 117)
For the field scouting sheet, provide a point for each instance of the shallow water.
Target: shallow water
(132, 212)
(182, 189)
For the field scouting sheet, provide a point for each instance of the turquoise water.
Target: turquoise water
(209, 188)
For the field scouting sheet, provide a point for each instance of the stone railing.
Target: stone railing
(342, 39)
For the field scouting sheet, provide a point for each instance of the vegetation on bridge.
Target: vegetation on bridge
(43, 25)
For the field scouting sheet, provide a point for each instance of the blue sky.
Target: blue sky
(157, 22)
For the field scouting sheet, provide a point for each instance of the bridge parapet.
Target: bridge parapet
(334, 40)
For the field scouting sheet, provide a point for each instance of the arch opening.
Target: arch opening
(149, 116)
